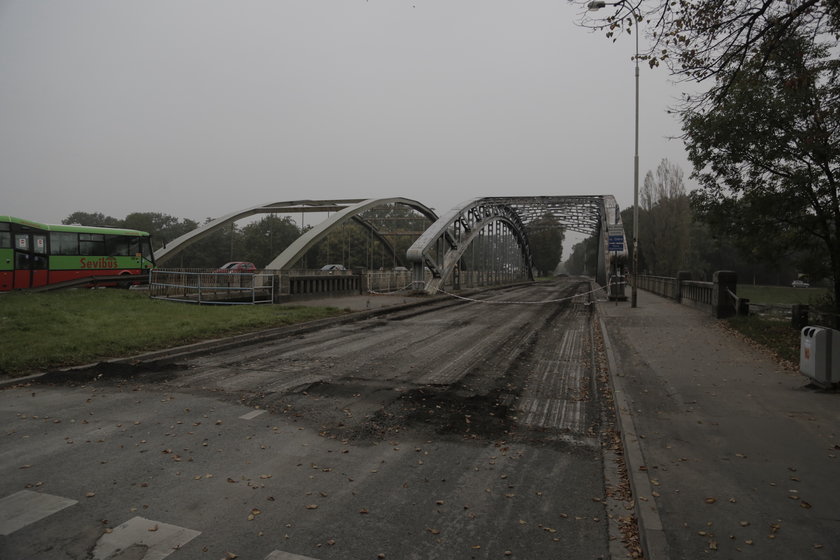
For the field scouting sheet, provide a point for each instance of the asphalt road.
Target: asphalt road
(467, 430)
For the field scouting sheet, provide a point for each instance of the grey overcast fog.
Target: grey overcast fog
(197, 108)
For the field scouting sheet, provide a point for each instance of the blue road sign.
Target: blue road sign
(616, 243)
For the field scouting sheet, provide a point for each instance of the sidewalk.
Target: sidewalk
(730, 455)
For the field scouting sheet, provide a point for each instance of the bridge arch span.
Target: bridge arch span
(342, 211)
(176, 246)
(443, 246)
(294, 252)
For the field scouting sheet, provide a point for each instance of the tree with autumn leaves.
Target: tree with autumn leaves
(764, 134)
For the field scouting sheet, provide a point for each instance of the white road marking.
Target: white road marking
(159, 539)
(253, 414)
(279, 555)
(22, 508)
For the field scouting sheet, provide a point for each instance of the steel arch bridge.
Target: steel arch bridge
(499, 226)
(482, 241)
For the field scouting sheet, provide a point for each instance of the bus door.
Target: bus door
(30, 261)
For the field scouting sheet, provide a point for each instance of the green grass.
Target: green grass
(72, 327)
(781, 294)
(777, 336)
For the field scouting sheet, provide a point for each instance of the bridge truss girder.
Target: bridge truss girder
(443, 245)
(591, 215)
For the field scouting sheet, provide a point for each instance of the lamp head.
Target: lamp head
(596, 5)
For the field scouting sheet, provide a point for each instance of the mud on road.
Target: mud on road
(479, 370)
(465, 431)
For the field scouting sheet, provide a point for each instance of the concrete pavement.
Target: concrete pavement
(731, 455)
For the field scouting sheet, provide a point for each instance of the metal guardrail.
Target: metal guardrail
(384, 281)
(211, 287)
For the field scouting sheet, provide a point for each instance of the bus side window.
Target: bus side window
(22, 260)
(117, 245)
(91, 244)
(39, 243)
(22, 242)
(64, 243)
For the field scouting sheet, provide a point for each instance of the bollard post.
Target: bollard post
(682, 276)
(799, 316)
(724, 281)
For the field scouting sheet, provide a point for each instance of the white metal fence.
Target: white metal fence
(211, 287)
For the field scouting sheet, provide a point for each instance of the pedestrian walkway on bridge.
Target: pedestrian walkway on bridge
(731, 455)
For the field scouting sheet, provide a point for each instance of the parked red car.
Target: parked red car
(238, 267)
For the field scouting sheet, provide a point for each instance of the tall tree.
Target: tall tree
(584, 257)
(162, 227)
(545, 236)
(95, 219)
(263, 240)
(714, 39)
(665, 224)
(768, 156)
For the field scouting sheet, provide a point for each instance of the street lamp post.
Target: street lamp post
(594, 7)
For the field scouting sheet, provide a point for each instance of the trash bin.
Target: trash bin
(819, 355)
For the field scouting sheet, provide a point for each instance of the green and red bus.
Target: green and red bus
(34, 255)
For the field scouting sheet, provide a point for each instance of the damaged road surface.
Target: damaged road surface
(471, 430)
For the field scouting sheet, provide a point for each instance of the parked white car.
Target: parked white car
(800, 284)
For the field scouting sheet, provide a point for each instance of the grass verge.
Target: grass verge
(776, 336)
(783, 295)
(72, 327)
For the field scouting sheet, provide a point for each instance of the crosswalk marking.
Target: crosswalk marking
(158, 540)
(253, 414)
(22, 508)
(279, 555)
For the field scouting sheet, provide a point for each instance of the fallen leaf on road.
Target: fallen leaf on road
(312, 506)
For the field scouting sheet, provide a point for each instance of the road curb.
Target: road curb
(651, 534)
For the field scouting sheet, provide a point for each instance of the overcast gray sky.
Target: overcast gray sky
(196, 108)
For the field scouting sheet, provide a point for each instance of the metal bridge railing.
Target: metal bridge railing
(195, 286)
